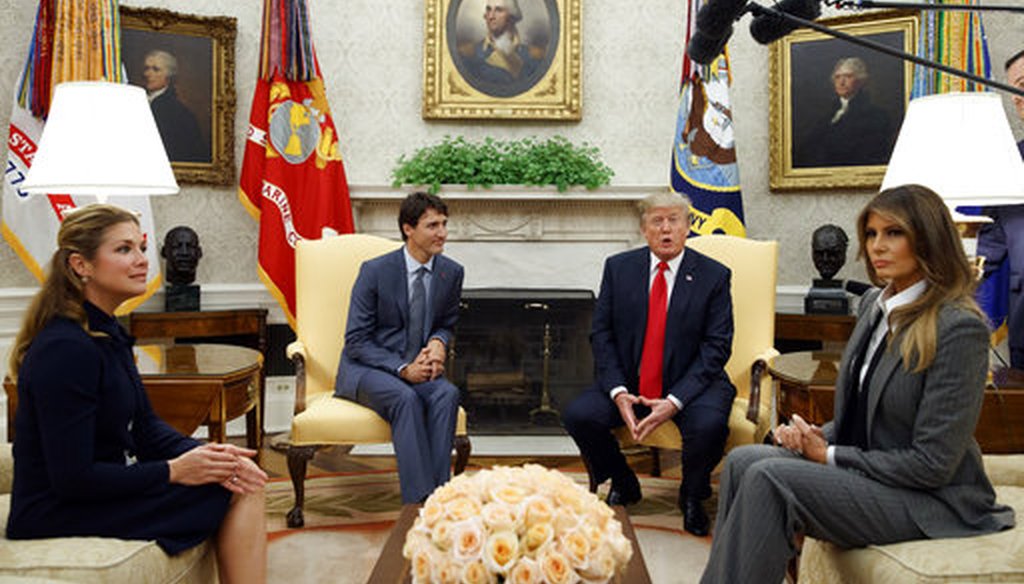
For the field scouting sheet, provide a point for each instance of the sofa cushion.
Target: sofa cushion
(995, 557)
(100, 559)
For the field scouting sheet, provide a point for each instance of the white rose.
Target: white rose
(501, 551)
(555, 568)
(526, 571)
(467, 540)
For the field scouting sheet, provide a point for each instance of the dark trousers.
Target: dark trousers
(422, 418)
(703, 424)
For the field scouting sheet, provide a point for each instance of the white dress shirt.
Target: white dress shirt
(670, 281)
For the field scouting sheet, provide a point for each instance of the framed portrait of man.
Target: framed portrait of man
(502, 59)
(836, 107)
(186, 65)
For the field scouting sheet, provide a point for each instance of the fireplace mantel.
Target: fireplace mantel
(514, 236)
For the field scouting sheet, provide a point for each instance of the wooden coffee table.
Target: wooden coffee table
(392, 568)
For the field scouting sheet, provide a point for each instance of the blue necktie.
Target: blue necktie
(417, 316)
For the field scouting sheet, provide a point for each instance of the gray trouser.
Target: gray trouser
(768, 494)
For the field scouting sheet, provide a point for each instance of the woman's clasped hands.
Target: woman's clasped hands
(229, 465)
(802, 438)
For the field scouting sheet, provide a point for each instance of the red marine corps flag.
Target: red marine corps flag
(293, 181)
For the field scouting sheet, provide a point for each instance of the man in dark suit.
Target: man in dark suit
(855, 131)
(403, 310)
(177, 125)
(1002, 241)
(661, 336)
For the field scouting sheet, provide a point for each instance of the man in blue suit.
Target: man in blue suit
(404, 307)
(1002, 241)
(661, 335)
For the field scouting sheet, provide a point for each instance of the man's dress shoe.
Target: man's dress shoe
(624, 494)
(695, 520)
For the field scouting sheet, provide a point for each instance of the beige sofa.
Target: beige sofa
(93, 559)
(997, 557)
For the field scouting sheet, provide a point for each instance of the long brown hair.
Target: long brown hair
(62, 292)
(929, 228)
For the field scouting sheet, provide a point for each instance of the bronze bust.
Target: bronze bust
(828, 251)
(181, 252)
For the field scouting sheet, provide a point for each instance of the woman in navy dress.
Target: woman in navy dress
(91, 458)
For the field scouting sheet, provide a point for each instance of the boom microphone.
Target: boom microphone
(714, 27)
(767, 27)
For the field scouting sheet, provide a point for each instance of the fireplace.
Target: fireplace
(520, 355)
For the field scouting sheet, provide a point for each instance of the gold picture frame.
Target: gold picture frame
(464, 77)
(196, 111)
(813, 146)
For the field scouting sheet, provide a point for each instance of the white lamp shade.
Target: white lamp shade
(959, 145)
(100, 139)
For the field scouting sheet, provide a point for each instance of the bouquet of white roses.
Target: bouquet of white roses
(521, 525)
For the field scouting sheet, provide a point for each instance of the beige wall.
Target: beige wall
(371, 55)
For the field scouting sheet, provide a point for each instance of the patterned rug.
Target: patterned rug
(349, 517)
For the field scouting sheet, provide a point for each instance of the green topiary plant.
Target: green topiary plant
(528, 161)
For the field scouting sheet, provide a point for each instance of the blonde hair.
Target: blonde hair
(62, 293)
(663, 198)
(936, 245)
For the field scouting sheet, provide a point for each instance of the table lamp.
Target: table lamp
(959, 145)
(100, 139)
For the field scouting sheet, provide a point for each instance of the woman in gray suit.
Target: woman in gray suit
(898, 461)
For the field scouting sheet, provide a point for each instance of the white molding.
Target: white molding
(14, 301)
(359, 193)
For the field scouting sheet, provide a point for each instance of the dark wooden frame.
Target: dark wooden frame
(221, 32)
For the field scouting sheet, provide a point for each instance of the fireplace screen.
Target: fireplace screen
(519, 355)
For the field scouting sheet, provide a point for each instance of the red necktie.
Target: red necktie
(654, 340)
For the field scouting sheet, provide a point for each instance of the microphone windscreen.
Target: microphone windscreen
(716, 17)
(704, 49)
(767, 28)
(858, 288)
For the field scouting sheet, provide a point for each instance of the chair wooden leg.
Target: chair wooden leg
(462, 450)
(298, 457)
(656, 461)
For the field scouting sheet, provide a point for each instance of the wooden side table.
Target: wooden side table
(814, 327)
(190, 385)
(806, 386)
(207, 324)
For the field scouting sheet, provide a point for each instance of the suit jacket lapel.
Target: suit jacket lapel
(681, 290)
(847, 382)
(885, 368)
(438, 277)
(400, 282)
(641, 276)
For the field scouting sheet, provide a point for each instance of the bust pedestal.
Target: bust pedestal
(181, 298)
(827, 297)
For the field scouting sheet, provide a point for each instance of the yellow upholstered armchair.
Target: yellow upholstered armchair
(754, 268)
(325, 271)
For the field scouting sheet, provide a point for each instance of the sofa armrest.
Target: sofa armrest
(1005, 469)
(6, 468)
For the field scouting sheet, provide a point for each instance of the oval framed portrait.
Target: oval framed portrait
(503, 48)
